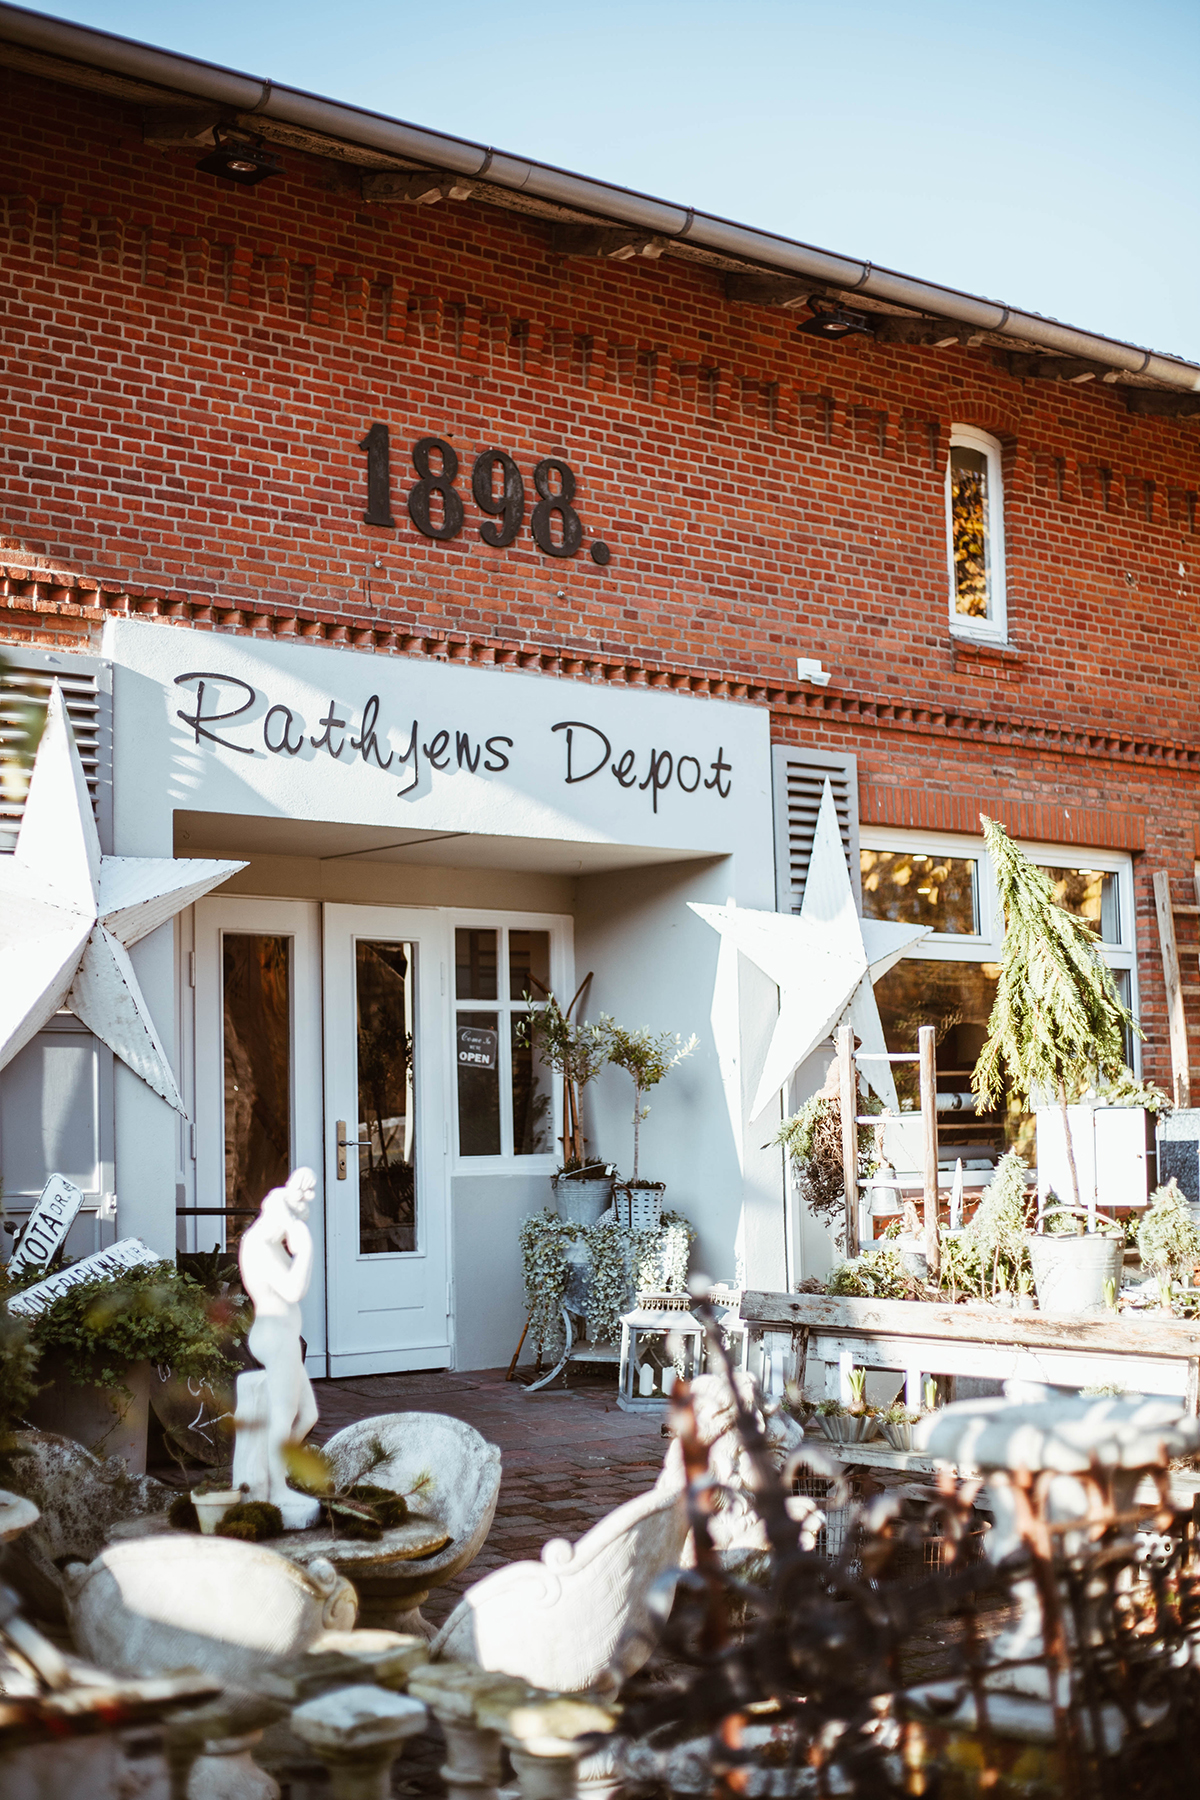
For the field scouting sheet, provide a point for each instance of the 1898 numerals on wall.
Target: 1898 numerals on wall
(435, 505)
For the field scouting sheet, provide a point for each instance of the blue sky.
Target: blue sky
(1043, 154)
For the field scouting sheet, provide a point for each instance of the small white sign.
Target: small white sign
(130, 1253)
(49, 1222)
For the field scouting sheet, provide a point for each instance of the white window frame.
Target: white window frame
(994, 628)
(988, 945)
(562, 981)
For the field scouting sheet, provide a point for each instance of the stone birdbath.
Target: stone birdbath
(451, 1514)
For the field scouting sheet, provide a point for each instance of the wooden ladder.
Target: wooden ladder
(1178, 990)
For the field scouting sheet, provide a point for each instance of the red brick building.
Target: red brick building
(209, 385)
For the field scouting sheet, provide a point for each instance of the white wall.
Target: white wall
(489, 1308)
(657, 964)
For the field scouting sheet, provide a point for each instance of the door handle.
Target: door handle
(343, 1144)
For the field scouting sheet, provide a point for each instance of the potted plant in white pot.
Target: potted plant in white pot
(1057, 1026)
(576, 1053)
(646, 1057)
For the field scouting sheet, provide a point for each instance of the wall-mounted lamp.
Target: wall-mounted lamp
(240, 159)
(832, 321)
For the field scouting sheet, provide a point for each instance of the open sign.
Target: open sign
(477, 1048)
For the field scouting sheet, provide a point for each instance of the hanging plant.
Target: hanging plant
(544, 1240)
(621, 1262)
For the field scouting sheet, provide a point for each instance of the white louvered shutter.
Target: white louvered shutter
(86, 681)
(799, 781)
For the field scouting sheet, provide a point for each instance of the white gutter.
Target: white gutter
(250, 94)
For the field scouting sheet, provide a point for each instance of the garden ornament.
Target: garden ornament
(357, 1732)
(275, 1404)
(69, 916)
(451, 1475)
(824, 964)
(581, 1618)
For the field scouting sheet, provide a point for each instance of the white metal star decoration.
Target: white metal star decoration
(824, 962)
(68, 916)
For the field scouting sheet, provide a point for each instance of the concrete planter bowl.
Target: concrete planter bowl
(391, 1581)
(1070, 1272)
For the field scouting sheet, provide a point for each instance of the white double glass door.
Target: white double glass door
(319, 1042)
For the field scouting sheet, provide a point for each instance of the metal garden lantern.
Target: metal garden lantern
(660, 1339)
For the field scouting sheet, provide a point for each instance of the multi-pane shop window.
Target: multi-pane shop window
(975, 524)
(948, 980)
(505, 1092)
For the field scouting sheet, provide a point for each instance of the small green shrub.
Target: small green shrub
(252, 1521)
(875, 1275)
(182, 1515)
(1168, 1239)
(148, 1314)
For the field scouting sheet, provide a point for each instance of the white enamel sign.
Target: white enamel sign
(49, 1222)
(130, 1253)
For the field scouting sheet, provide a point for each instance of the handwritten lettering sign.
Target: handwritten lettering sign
(234, 715)
(477, 1047)
(49, 1222)
(130, 1253)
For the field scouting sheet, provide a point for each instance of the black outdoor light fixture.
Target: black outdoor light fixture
(239, 159)
(832, 321)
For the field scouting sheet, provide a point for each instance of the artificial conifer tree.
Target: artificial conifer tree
(1057, 1023)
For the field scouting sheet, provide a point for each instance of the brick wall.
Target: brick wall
(191, 367)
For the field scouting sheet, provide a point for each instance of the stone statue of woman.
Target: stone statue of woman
(275, 1404)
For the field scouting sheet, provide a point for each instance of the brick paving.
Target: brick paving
(569, 1455)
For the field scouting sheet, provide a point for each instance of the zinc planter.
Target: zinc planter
(1070, 1272)
(106, 1421)
(849, 1428)
(582, 1200)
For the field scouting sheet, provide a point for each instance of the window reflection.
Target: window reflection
(1090, 894)
(914, 889)
(970, 546)
(477, 1054)
(475, 964)
(256, 1003)
(387, 1186)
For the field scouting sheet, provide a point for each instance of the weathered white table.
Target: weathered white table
(1147, 1353)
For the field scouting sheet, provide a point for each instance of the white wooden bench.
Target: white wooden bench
(830, 1336)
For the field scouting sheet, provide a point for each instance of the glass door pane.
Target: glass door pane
(256, 1014)
(387, 1120)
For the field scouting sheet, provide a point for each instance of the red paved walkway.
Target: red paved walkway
(569, 1456)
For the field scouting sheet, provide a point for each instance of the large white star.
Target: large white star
(68, 916)
(824, 962)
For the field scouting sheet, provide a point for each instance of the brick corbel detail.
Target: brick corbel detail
(916, 809)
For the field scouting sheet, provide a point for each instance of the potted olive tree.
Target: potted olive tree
(646, 1057)
(575, 1052)
(1057, 1026)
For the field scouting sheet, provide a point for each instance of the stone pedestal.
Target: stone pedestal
(357, 1732)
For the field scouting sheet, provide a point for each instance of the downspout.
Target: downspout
(241, 93)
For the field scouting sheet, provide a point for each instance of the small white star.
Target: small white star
(68, 916)
(824, 962)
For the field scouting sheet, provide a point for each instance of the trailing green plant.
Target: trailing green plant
(150, 1313)
(997, 1228)
(1168, 1240)
(1057, 1023)
(875, 1275)
(647, 1057)
(655, 1259)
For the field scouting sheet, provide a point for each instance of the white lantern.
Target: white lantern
(660, 1340)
